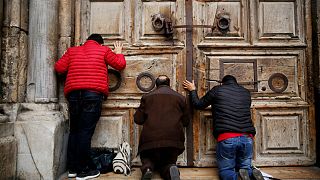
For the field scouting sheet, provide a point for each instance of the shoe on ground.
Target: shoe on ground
(88, 175)
(72, 174)
(147, 175)
(257, 175)
(174, 173)
(244, 175)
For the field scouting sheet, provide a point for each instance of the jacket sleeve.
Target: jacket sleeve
(61, 66)
(117, 61)
(202, 103)
(139, 115)
(186, 115)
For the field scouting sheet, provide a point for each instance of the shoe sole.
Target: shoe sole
(244, 174)
(147, 176)
(72, 175)
(88, 177)
(174, 173)
(257, 174)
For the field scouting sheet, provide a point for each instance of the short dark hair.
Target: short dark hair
(162, 80)
(228, 78)
(96, 37)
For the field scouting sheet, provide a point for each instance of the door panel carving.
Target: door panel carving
(277, 21)
(254, 72)
(207, 144)
(283, 137)
(145, 32)
(229, 14)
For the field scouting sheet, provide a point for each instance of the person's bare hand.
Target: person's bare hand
(117, 47)
(188, 85)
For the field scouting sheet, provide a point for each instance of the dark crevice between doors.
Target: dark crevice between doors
(315, 56)
(189, 64)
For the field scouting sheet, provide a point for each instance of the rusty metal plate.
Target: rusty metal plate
(114, 79)
(278, 82)
(145, 81)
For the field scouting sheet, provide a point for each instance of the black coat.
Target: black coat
(163, 113)
(230, 106)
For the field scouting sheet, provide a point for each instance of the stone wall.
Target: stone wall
(8, 143)
(14, 51)
(33, 128)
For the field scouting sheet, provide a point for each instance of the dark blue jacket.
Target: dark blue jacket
(230, 106)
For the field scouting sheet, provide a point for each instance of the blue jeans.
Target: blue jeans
(234, 154)
(85, 110)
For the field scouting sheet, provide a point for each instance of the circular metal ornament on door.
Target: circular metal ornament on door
(145, 81)
(114, 79)
(278, 82)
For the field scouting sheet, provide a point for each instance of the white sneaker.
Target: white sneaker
(72, 174)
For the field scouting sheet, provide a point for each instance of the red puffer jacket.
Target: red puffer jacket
(86, 67)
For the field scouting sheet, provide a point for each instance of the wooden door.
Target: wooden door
(265, 44)
(148, 51)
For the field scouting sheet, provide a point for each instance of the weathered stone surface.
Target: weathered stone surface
(8, 158)
(14, 50)
(41, 132)
(10, 58)
(22, 67)
(66, 10)
(43, 40)
(24, 11)
(108, 132)
(1, 18)
(6, 129)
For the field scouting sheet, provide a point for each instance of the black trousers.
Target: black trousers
(159, 159)
(85, 111)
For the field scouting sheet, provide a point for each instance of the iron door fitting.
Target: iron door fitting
(161, 22)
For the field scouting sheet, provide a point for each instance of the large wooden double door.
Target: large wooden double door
(264, 43)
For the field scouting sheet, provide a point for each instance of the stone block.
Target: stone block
(8, 157)
(108, 132)
(42, 143)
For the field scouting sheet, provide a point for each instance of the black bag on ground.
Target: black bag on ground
(102, 158)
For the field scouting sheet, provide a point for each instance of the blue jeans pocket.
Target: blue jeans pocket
(227, 149)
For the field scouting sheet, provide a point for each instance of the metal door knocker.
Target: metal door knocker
(114, 79)
(278, 82)
(223, 22)
(160, 22)
(145, 81)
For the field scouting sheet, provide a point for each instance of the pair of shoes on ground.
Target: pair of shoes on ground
(256, 174)
(84, 175)
(174, 174)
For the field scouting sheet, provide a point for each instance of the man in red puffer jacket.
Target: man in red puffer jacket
(85, 88)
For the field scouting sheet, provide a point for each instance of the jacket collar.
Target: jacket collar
(230, 82)
(91, 42)
(163, 86)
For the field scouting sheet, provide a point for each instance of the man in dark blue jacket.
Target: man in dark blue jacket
(232, 127)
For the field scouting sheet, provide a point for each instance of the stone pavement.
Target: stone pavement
(283, 173)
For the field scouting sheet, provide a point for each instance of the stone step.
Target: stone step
(283, 173)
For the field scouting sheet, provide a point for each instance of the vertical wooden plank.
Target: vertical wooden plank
(189, 65)
(310, 81)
